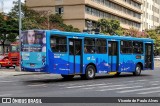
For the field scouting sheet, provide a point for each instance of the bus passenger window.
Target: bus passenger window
(101, 46)
(58, 43)
(89, 45)
(137, 47)
(126, 47)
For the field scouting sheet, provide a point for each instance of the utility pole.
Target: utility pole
(20, 27)
(20, 20)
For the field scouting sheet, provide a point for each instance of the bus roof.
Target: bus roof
(113, 37)
(75, 34)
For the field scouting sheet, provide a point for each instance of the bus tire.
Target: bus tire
(0, 66)
(90, 72)
(137, 71)
(68, 77)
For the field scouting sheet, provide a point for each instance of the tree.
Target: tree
(8, 29)
(32, 19)
(108, 26)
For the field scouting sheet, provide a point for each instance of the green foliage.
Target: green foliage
(109, 26)
(56, 18)
(40, 20)
(119, 31)
(8, 29)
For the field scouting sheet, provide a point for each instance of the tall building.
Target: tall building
(151, 14)
(79, 12)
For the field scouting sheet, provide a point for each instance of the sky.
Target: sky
(8, 4)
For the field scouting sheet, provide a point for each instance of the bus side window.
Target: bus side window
(89, 45)
(101, 46)
(126, 47)
(137, 47)
(58, 43)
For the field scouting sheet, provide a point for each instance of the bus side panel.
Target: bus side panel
(102, 63)
(99, 60)
(58, 63)
(126, 63)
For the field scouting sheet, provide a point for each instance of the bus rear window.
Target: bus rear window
(58, 43)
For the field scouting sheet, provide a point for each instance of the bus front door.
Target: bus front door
(113, 56)
(148, 56)
(75, 56)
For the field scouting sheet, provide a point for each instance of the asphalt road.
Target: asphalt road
(50, 85)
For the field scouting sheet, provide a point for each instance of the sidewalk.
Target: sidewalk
(157, 63)
(12, 72)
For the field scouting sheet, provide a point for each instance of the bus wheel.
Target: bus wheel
(137, 70)
(67, 77)
(0, 66)
(90, 72)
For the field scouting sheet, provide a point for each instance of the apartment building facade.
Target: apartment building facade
(151, 14)
(79, 12)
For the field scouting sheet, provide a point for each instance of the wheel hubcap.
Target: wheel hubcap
(138, 70)
(90, 72)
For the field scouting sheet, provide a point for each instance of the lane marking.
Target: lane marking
(37, 85)
(153, 81)
(85, 86)
(119, 88)
(141, 80)
(139, 89)
(7, 81)
(155, 84)
(5, 95)
(104, 86)
(149, 92)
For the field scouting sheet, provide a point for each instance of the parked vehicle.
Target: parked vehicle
(6, 62)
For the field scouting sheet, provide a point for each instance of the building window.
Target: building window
(59, 10)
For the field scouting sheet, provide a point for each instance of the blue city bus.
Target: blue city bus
(71, 53)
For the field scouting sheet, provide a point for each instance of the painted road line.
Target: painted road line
(149, 92)
(103, 86)
(6, 81)
(137, 80)
(154, 81)
(85, 86)
(155, 84)
(119, 88)
(134, 90)
(5, 95)
(37, 85)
